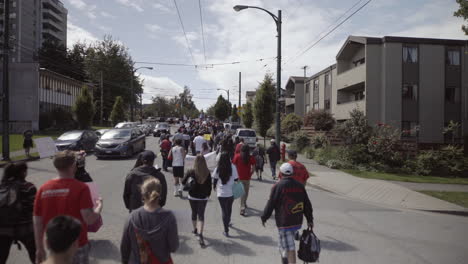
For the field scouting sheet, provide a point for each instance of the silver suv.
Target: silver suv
(249, 136)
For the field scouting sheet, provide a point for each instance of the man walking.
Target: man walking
(198, 142)
(300, 171)
(273, 156)
(62, 235)
(165, 147)
(289, 200)
(65, 196)
(136, 177)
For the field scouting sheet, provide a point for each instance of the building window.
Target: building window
(327, 104)
(453, 57)
(316, 106)
(327, 80)
(410, 54)
(410, 91)
(409, 129)
(316, 85)
(358, 96)
(307, 88)
(452, 95)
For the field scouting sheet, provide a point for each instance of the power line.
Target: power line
(185, 33)
(209, 65)
(331, 31)
(202, 31)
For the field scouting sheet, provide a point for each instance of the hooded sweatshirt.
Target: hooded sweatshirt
(133, 181)
(158, 229)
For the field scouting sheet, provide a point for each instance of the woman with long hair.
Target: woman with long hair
(17, 225)
(178, 160)
(245, 165)
(150, 233)
(224, 177)
(199, 193)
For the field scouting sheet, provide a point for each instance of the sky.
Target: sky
(152, 32)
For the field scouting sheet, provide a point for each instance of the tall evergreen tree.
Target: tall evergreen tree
(263, 106)
(84, 108)
(118, 111)
(247, 115)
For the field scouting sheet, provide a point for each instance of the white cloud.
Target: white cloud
(77, 34)
(107, 15)
(162, 8)
(104, 28)
(159, 86)
(79, 4)
(132, 3)
(153, 28)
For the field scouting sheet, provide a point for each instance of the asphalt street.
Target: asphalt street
(350, 231)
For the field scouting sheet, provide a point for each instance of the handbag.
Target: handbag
(238, 190)
(189, 184)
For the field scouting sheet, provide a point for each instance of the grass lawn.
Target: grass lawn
(460, 198)
(406, 178)
(16, 140)
(21, 157)
(99, 127)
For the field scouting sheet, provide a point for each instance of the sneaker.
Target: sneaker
(180, 193)
(201, 240)
(226, 234)
(176, 193)
(195, 232)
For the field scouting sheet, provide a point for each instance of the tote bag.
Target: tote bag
(238, 190)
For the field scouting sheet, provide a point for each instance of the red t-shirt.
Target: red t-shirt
(300, 172)
(166, 145)
(243, 170)
(64, 197)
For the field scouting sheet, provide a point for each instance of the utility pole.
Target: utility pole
(305, 70)
(278, 81)
(132, 96)
(5, 91)
(102, 98)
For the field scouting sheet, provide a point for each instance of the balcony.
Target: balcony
(55, 5)
(351, 77)
(49, 23)
(49, 33)
(290, 101)
(50, 14)
(341, 112)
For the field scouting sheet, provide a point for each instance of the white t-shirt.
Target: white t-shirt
(177, 156)
(225, 190)
(198, 141)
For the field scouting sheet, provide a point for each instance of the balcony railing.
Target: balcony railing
(351, 77)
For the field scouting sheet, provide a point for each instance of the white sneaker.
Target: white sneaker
(176, 192)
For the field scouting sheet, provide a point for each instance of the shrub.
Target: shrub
(338, 164)
(320, 141)
(356, 154)
(323, 155)
(321, 120)
(448, 161)
(291, 123)
(300, 140)
(355, 130)
(382, 144)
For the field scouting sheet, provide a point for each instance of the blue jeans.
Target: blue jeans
(273, 168)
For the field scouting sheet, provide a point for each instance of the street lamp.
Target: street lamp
(278, 22)
(133, 94)
(219, 89)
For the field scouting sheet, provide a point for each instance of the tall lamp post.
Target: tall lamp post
(227, 91)
(278, 22)
(133, 94)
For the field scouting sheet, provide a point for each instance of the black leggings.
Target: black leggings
(7, 241)
(198, 209)
(226, 208)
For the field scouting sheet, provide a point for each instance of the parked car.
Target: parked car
(161, 128)
(249, 136)
(145, 129)
(122, 142)
(77, 140)
(234, 128)
(127, 125)
(101, 132)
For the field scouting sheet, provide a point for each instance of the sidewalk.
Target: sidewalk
(374, 191)
(20, 152)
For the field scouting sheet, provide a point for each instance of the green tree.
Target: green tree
(263, 106)
(355, 130)
(463, 13)
(184, 104)
(118, 111)
(84, 108)
(222, 109)
(234, 114)
(247, 115)
(211, 110)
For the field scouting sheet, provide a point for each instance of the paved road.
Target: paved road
(351, 231)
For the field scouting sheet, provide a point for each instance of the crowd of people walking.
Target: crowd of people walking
(62, 209)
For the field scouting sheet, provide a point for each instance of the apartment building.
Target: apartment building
(293, 103)
(31, 23)
(250, 96)
(416, 84)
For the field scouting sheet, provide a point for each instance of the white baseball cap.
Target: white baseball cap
(286, 169)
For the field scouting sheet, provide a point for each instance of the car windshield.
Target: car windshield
(247, 133)
(162, 126)
(116, 134)
(71, 135)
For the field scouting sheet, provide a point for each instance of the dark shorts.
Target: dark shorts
(178, 172)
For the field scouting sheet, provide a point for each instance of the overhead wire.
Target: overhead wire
(202, 30)
(330, 31)
(185, 33)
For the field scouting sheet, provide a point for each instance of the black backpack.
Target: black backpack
(309, 247)
(10, 203)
